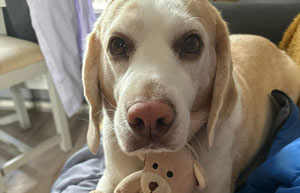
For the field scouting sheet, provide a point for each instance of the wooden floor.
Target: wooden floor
(39, 175)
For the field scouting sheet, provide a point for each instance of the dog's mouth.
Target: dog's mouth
(147, 145)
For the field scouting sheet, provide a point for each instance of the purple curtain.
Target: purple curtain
(61, 28)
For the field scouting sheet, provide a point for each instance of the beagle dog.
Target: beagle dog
(161, 74)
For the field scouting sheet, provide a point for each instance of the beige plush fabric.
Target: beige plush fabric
(16, 53)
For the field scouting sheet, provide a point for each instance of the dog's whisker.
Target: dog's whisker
(105, 97)
(190, 19)
(112, 110)
(193, 137)
(201, 121)
(204, 116)
(123, 122)
(87, 120)
(204, 119)
(196, 109)
(188, 5)
(99, 112)
(83, 119)
(114, 138)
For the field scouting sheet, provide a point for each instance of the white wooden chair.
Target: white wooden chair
(21, 60)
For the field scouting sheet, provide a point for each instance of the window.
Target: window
(99, 5)
(99, 1)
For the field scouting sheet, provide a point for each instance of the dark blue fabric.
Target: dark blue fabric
(289, 131)
(280, 173)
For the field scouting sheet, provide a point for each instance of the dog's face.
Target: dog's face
(155, 61)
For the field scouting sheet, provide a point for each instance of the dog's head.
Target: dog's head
(162, 67)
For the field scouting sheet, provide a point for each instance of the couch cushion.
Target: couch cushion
(16, 53)
(267, 18)
(269, 1)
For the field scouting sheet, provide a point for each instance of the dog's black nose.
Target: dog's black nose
(153, 186)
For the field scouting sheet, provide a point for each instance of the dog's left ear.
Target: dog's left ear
(223, 84)
(92, 90)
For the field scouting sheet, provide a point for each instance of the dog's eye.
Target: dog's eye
(170, 174)
(188, 46)
(155, 166)
(118, 46)
(192, 44)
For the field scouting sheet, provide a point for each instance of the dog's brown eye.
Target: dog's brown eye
(192, 44)
(189, 46)
(118, 46)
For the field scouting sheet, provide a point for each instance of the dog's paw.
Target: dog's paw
(96, 191)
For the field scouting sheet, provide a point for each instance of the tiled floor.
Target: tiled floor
(39, 175)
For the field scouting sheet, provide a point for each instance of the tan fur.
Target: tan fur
(224, 93)
(236, 103)
(259, 67)
(91, 90)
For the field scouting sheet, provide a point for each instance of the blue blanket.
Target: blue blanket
(83, 170)
(81, 173)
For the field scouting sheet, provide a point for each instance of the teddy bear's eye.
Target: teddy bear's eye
(155, 166)
(170, 174)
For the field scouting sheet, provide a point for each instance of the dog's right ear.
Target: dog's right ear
(92, 93)
(224, 91)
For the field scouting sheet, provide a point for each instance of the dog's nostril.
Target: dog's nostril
(160, 125)
(138, 124)
(153, 186)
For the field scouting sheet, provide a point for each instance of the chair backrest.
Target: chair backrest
(2, 22)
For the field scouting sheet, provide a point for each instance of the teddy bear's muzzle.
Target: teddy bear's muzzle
(153, 183)
(153, 186)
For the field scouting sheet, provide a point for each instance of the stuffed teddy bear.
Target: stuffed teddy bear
(168, 172)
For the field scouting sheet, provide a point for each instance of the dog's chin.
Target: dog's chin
(135, 146)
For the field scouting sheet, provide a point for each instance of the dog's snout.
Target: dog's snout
(153, 186)
(150, 119)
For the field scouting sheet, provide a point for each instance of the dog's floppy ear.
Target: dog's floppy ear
(223, 82)
(92, 93)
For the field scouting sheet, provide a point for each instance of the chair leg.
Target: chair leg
(20, 107)
(2, 186)
(60, 117)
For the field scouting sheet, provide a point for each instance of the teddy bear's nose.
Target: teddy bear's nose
(153, 186)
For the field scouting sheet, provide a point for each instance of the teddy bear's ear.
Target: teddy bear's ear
(199, 175)
(142, 156)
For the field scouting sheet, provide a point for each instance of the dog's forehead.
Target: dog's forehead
(161, 10)
(151, 16)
